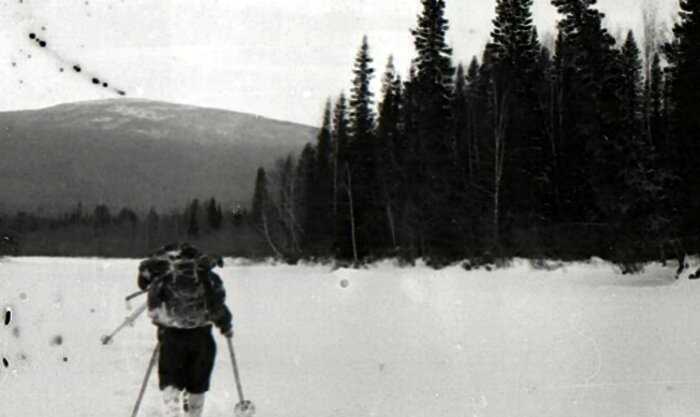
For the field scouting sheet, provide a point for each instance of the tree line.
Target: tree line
(100, 232)
(584, 147)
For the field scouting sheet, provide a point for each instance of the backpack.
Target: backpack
(179, 286)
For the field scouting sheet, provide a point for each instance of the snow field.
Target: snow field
(579, 340)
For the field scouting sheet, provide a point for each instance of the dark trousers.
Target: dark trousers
(186, 358)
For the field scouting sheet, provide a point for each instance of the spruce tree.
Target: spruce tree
(631, 86)
(587, 68)
(361, 168)
(431, 90)
(516, 136)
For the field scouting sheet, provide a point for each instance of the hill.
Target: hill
(135, 153)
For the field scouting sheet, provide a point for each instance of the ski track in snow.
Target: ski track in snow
(389, 341)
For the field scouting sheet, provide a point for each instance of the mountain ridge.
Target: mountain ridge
(136, 153)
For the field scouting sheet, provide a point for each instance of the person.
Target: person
(185, 298)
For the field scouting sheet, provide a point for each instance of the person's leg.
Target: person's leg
(171, 372)
(202, 358)
(195, 405)
(171, 401)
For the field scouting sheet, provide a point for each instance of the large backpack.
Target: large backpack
(179, 287)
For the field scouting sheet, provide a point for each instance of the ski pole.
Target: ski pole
(244, 408)
(135, 294)
(128, 321)
(235, 370)
(144, 384)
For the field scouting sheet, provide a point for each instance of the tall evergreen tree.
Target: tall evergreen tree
(433, 191)
(631, 84)
(361, 168)
(517, 137)
(361, 98)
(587, 82)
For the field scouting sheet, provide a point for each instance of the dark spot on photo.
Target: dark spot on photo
(105, 85)
(43, 28)
(5, 362)
(22, 356)
(57, 340)
(14, 64)
(15, 332)
(95, 81)
(29, 56)
(42, 44)
(92, 310)
(60, 69)
(77, 68)
(22, 296)
(32, 35)
(65, 359)
(121, 93)
(8, 316)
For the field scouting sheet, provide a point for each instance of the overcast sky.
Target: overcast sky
(276, 58)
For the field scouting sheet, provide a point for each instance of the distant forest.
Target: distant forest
(577, 147)
(99, 232)
(586, 147)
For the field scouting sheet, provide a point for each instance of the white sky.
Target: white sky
(276, 58)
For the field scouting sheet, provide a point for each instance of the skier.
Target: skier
(185, 297)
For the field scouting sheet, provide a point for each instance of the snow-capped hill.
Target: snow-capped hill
(136, 153)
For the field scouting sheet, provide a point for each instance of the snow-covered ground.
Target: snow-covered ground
(579, 340)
